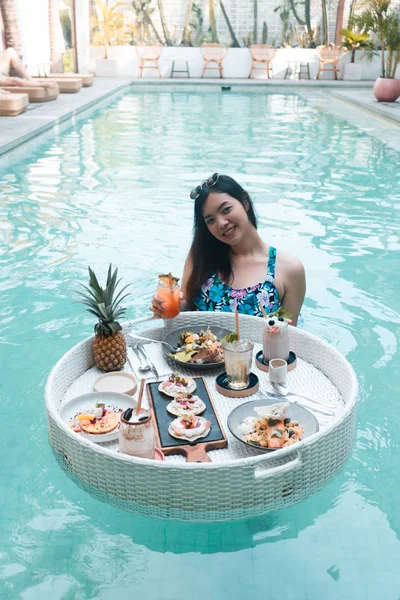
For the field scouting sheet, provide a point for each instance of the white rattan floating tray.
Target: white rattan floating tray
(239, 482)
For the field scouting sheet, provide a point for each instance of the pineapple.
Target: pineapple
(109, 347)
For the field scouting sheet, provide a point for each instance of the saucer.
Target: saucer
(116, 381)
(221, 384)
(265, 367)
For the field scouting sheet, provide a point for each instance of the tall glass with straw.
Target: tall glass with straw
(238, 355)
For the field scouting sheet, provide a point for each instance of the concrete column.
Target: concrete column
(81, 27)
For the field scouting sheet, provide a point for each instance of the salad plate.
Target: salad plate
(243, 416)
(186, 352)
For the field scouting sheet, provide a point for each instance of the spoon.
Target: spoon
(143, 366)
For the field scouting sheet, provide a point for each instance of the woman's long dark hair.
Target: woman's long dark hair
(208, 254)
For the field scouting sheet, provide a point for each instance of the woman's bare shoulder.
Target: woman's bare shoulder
(289, 264)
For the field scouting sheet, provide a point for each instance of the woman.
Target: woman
(9, 58)
(229, 267)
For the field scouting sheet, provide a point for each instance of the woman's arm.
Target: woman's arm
(187, 270)
(294, 281)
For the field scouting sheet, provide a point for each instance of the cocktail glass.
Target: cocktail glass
(238, 356)
(170, 298)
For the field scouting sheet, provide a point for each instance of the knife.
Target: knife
(141, 349)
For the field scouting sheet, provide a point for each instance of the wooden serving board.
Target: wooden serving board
(194, 451)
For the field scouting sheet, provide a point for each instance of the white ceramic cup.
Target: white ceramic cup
(278, 370)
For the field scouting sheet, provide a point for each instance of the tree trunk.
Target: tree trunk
(255, 26)
(325, 21)
(10, 20)
(213, 24)
(339, 22)
(185, 39)
(57, 45)
(235, 42)
(164, 23)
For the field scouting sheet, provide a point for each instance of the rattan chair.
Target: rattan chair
(329, 57)
(149, 56)
(213, 54)
(261, 53)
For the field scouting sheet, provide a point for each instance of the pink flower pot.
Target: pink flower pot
(386, 90)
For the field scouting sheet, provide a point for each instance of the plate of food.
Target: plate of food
(186, 404)
(196, 347)
(176, 385)
(189, 428)
(267, 425)
(95, 416)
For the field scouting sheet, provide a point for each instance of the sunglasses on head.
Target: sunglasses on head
(212, 180)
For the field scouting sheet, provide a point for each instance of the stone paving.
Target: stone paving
(39, 118)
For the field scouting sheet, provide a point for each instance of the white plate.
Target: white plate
(111, 400)
(189, 389)
(179, 412)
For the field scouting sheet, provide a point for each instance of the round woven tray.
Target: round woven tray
(239, 482)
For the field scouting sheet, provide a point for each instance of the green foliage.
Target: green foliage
(354, 40)
(197, 25)
(108, 25)
(264, 37)
(68, 61)
(104, 303)
(284, 11)
(66, 27)
(382, 22)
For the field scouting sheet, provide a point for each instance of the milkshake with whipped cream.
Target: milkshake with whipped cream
(136, 434)
(276, 342)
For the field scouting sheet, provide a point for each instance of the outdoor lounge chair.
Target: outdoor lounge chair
(36, 94)
(149, 56)
(86, 78)
(213, 54)
(67, 85)
(261, 53)
(12, 105)
(329, 57)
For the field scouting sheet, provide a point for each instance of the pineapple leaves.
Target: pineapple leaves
(104, 303)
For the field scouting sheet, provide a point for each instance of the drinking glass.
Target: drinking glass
(238, 356)
(136, 436)
(276, 343)
(170, 298)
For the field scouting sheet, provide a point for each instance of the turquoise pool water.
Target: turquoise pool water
(115, 187)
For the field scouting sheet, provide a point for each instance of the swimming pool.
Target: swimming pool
(115, 187)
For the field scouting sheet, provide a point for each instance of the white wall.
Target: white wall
(237, 63)
(33, 19)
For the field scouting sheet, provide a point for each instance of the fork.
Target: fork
(287, 394)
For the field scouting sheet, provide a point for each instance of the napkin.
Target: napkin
(154, 353)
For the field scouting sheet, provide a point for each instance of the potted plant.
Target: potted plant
(354, 40)
(108, 29)
(380, 20)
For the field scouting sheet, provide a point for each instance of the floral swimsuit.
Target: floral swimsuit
(216, 295)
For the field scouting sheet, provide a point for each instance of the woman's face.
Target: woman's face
(226, 218)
